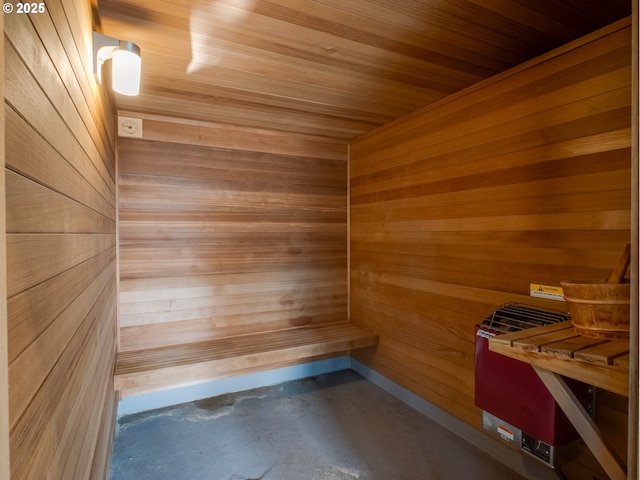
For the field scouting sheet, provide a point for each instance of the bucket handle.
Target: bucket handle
(617, 276)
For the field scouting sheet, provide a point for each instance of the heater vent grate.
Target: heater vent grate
(513, 317)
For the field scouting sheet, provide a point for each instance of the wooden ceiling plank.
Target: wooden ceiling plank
(329, 67)
(433, 25)
(401, 25)
(290, 41)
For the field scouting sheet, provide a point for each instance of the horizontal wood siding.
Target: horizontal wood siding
(227, 234)
(61, 273)
(456, 209)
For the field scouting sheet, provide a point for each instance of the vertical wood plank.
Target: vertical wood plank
(633, 445)
(4, 353)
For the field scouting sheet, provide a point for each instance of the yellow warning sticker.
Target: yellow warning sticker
(546, 291)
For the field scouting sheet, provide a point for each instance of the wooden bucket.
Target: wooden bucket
(598, 309)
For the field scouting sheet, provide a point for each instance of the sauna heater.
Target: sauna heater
(516, 406)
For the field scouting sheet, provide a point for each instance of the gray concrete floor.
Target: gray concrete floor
(335, 426)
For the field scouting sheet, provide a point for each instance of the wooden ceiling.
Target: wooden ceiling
(333, 68)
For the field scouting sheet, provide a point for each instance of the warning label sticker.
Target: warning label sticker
(505, 433)
(546, 291)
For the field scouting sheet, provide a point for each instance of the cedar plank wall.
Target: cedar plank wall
(60, 193)
(457, 208)
(4, 367)
(227, 231)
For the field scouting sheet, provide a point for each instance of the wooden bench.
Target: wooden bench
(141, 371)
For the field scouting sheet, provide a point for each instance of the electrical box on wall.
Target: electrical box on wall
(129, 127)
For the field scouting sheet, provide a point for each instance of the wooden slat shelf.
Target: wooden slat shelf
(141, 371)
(556, 350)
(559, 349)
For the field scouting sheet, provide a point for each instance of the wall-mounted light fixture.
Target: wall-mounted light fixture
(125, 63)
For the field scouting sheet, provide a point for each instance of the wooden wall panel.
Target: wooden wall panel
(61, 269)
(633, 445)
(242, 237)
(457, 208)
(4, 367)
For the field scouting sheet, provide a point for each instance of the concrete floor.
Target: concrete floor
(335, 426)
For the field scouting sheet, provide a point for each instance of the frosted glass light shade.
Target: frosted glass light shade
(125, 71)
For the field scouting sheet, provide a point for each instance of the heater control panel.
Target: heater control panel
(537, 448)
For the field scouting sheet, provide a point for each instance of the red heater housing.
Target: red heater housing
(513, 394)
